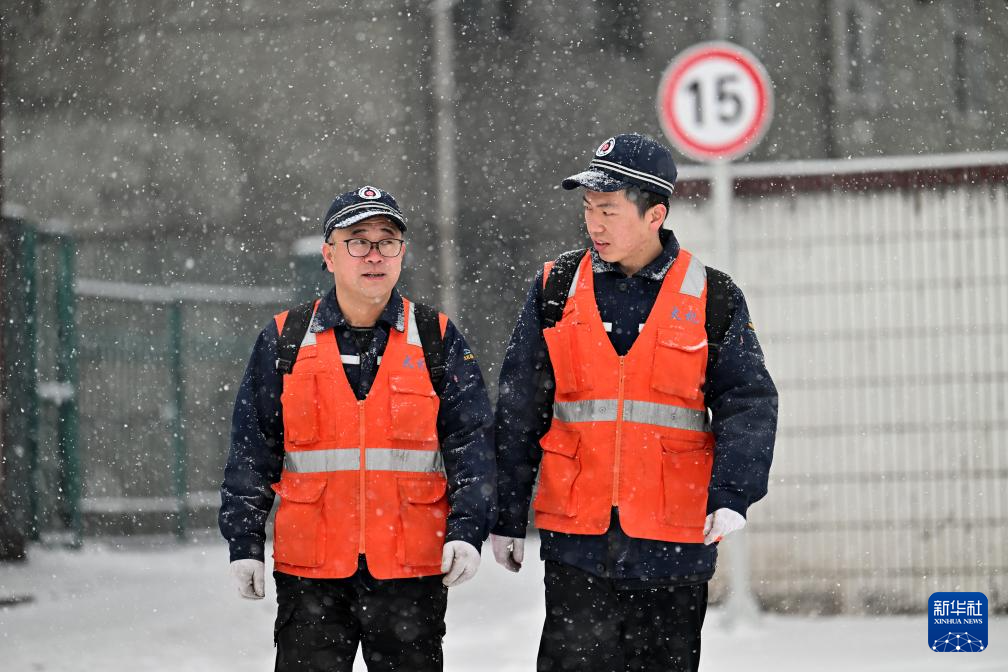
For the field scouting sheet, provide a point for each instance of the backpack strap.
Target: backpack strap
(720, 310)
(428, 324)
(556, 289)
(558, 284)
(293, 333)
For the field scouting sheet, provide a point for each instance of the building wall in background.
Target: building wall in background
(210, 135)
(213, 132)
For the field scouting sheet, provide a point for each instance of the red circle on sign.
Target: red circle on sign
(751, 134)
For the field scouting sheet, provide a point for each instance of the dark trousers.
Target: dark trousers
(592, 626)
(399, 623)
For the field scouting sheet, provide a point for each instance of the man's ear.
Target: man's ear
(656, 216)
(327, 251)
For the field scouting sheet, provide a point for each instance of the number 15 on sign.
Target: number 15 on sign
(715, 102)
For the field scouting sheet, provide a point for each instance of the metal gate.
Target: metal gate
(119, 395)
(42, 476)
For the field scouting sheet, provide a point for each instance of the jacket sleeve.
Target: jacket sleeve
(524, 413)
(743, 402)
(465, 429)
(256, 456)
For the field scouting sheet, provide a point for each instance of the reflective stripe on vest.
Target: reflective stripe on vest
(412, 333)
(587, 410)
(696, 278)
(644, 412)
(376, 459)
(665, 415)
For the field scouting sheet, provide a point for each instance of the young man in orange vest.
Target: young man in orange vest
(372, 423)
(635, 386)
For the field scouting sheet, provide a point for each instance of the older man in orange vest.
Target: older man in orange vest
(367, 414)
(635, 386)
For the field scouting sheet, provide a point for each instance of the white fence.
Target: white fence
(879, 290)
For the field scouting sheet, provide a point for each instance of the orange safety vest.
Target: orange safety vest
(629, 431)
(360, 477)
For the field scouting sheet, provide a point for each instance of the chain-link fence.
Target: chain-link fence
(158, 374)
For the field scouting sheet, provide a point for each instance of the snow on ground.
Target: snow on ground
(167, 608)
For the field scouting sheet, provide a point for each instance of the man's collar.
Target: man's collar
(655, 270)
(329, 315)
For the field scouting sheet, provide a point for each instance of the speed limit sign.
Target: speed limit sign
(715, 101)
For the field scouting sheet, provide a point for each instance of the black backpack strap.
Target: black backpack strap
(293, 333)
(720, 309)
(554, 299)
(558, 284)
(428, 325)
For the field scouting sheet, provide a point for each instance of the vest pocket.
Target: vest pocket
(686, 471)
(299, 532)
(300, 408)
(413, 407)
(569, 368)
(680, 363)
(424, 512)
(560, 468)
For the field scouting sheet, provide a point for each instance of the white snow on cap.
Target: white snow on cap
(638, 175)
(360, 211)
(595, 180)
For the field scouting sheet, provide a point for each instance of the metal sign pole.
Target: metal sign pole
(444, 100)
(722, 192)
(741, 607)
(715, 102)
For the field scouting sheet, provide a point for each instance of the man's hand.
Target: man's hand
(249, 573)
(459, 561)
(720, 524)
(509, 552)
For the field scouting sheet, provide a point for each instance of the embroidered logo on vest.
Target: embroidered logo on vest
(689, 316)
(417, 363)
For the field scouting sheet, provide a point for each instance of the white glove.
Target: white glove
(459, 562)
(720, 524)
(248, 573)
(509, 552)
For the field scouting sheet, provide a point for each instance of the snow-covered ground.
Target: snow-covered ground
(173, 608)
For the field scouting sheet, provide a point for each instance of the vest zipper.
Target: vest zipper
(363, 466)
(619, 433)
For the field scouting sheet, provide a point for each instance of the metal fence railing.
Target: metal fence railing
(158, 374)
(880, 295)
(118, 395)
(42, 482)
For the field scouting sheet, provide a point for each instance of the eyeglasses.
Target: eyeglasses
(361, 247)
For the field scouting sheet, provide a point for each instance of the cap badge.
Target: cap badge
(370, 193)
(605, 147)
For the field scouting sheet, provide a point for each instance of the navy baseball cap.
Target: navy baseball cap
(354, 206)
(628, 160)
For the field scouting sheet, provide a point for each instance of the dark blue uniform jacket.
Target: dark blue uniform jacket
(464, 423)
(739, 393)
